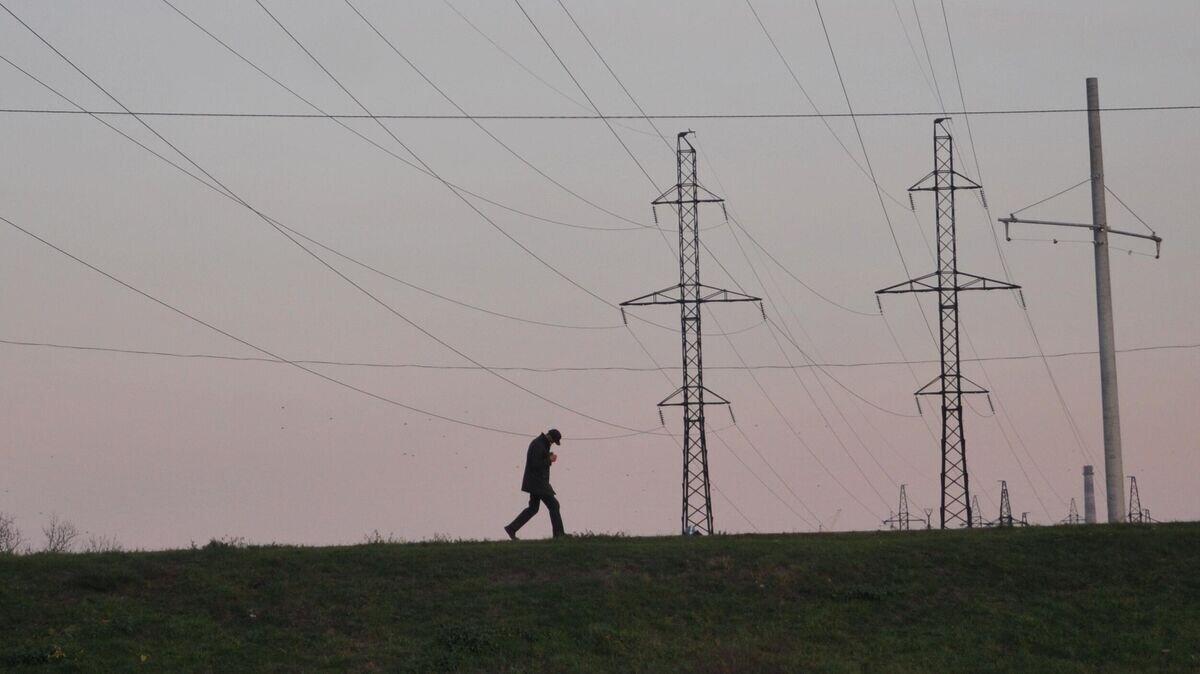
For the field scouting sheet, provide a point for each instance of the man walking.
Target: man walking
(537, 484)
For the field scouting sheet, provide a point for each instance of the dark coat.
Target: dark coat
(537, 467)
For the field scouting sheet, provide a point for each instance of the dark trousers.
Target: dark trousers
(528, 513)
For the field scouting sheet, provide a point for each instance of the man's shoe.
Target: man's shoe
(512, 534)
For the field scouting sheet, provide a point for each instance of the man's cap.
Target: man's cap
(554, 436)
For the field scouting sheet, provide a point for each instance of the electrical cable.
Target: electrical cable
(592, 117)
(817, 111)
(483, 128)
(328, 247)
(276, 358)
(524, 67)
(339, 120)
(562, 369)
(316, 257)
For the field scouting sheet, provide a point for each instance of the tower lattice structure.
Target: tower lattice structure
(1006, 517)
(1137, 514)
(1073, 516)
(950, 385)
(902, 520)
(690, 294)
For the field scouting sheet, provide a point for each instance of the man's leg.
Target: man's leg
(555, 517)
(524, 517)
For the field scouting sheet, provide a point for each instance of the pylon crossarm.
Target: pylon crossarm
(930, 283)
(965, 387)
(675, 295)
(926, 185)
(973, 282)
(672, 295)
(671, 196)
(921, 284)
(676, 399)
(711, 294)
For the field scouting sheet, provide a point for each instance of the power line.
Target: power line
(524, 67)
(588, 117)
(340, 121)
(308, 251)
(273, 357)
(569, 369)
(329, 248)
(484, 129)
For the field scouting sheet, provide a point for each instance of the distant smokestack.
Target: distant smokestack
(1089, 496)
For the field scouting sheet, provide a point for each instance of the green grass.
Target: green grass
(1056, 599)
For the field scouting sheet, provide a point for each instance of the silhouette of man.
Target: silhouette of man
(537, 484)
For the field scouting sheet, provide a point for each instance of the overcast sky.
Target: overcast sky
(549, 230)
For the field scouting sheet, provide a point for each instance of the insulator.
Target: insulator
(624, 318)
(731, 417)
(1021, 297)
(661, 420)
(725, 212)
(918, 399)
(763, 309)
(880, 304)
(654, 212)
(912, 205)
(993, 407)
(983, 198)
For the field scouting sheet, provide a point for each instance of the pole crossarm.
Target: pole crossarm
(931, 283)
(679, 294)
(1014, 220)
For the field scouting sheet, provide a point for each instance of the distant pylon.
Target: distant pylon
(1006, 517)
(686, 197)
(1137, 514)
(902, 520)
(976, 512)
(947, 282)
(1072, 515)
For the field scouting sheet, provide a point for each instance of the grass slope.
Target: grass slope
(1059, 599)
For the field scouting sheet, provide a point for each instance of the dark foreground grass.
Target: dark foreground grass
(1060, 599)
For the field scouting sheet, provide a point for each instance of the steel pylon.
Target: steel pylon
(947, 282)
(1072, 515)
(902, 520)
(690, 294)
(1137, 514)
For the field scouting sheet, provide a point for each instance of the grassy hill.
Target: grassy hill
(1057, 599)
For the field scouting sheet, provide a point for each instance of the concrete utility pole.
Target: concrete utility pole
(1114, 472)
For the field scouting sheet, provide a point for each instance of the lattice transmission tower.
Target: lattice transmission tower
(1072, 515)
(902, 520)
(690, 294)
(948, 282)
(1006, 518)
(1137, 514)
(976, 512)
